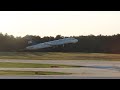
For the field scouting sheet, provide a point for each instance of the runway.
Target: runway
(54, 77)
(85, 69)
(67, 62)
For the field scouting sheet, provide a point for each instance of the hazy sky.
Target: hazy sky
(65, 23)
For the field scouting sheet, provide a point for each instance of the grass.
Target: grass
(31, 65)
(5, 72)
(58, 56)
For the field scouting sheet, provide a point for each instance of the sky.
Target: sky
(65, 23)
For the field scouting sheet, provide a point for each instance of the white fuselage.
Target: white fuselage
(52, 43)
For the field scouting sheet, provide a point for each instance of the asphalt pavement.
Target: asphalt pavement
(85, 69)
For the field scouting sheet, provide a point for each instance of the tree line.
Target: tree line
(86, 44)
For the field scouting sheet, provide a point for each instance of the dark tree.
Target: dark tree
(88, 44)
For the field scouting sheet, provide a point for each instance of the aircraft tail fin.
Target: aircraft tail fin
(31, 42)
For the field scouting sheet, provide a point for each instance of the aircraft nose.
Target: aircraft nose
(76, 40)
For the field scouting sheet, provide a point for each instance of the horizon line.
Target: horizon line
(60, 35)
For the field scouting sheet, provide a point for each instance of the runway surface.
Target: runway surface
(55, 77)
(86, 69)
(66, 62)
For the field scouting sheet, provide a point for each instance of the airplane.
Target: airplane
(50, 43)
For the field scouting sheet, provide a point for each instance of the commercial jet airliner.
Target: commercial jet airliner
(51, 43)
